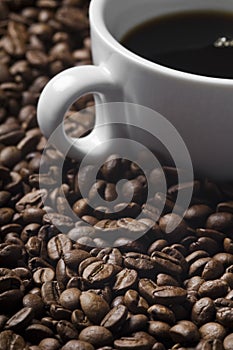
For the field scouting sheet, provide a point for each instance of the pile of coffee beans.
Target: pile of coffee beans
(61, 287)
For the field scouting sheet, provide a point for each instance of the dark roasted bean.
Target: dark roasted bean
(125, 279)
(49, 344)
(168, 225)
(20, 320)
(50, 292)
(185, 332)
(78, 345)
(11, 340)
(221, 221)
(97, 272)
(36, 332)
(160, 330)
(203, 311)
(213, 289)
(66, 330)
(161, 313)
(134, 302)
(58, 245)
(115, 318)
(212, 331)
(227, 343)
(96, 335)
(70, 298)
(94, 306)
(225, 316)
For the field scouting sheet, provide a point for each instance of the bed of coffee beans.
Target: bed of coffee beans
(59, 288)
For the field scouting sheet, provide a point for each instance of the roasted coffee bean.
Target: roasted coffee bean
(81, 208)
(158, 245)
(135, 303)
(225, 316)
(6, 215)
(166, 280)
(118, 301)
(213, 269)
(227, 343)
(138, 187)
(43, 275)
(80, 320)
(66, 330)
(165, 263)
(228, 245)
(97, 272)
(73, 258)
(78, 345)
(10, 156)
(197, 267)
(115, 318)
(212, 331)
(58, 245)
(10, 134)
(173, 227)
(34, 246)
(161, 313)
(185, 332)
(213, 289)
(222, 302)
(111, 170)
(58, 312)
(34, 302)
(203, 311)
(36, 332)
(205, 243)
(167, 295)
(132, 343)
(215, 344)
(197, 214)
(142, 263)
(86, 262)
(111, 256)
(50, 292)
(49, 344)
(8, 280)
(225, 258)
(160, 330)
(4, 197)
(72, 17)
(11, 340)
(70, 298)
(20, 320)
(96, 335)
(105, 293)
(147, 288)
(61, 273)
(125, 279)
(94, 306)
(135, 323)
(221, 221)
(164, 295)
(9, 254)
(228, 277)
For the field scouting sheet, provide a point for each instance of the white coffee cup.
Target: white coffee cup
(199, 107)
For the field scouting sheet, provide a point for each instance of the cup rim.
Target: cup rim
(96, 14)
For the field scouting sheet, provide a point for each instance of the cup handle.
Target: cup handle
(61, 92)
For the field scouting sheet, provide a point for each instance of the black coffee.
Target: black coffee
(193, 42)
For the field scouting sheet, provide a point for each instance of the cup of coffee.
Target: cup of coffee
(172, 56)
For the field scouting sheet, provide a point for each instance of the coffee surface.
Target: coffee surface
(193, 42)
